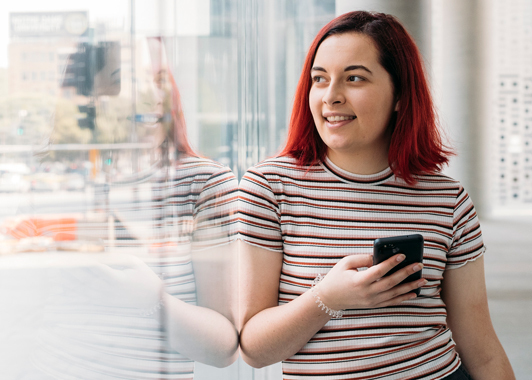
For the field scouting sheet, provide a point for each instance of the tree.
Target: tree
(66, 129)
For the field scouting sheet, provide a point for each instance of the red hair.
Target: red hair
(416, 145)
(161, 71)
(179, 134)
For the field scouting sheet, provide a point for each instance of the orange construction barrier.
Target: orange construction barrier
(60, 229)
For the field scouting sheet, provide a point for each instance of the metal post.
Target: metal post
(134, 138)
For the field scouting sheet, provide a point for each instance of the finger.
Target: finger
(379, 270)
(400, 290)
(107, 272)
(397, 300)
(358, 261)
(385, 283)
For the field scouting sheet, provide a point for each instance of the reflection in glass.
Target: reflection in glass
(135, 314)
(124, 234)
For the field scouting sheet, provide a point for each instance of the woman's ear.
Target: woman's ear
(396, 106)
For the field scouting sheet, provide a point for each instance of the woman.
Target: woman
(362, 162)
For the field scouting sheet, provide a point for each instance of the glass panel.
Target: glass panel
(276, 36)
(118, 220)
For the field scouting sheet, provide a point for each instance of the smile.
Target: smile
(336, 122)
(335, 119)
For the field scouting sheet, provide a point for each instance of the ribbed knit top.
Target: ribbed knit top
(316, 215)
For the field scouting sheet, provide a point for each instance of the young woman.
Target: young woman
(362, 162)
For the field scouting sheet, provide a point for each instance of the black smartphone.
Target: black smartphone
(409, 245)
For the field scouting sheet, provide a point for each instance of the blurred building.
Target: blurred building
(40, 43)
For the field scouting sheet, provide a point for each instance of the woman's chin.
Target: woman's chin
(340, 147)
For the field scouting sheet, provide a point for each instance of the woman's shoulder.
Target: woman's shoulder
(200, 163)
(437, 181)
(199, 167)
(278, 161)
(281, 166)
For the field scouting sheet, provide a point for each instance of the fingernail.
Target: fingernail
(401, 258)
(418, 267)
(421, 283)
(413, 296)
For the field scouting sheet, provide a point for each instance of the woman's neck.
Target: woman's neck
(364, 163)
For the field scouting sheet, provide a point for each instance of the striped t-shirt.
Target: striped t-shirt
(315, 215)
(192, 207)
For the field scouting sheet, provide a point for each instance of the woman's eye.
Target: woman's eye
(317, 79)
(355, 78)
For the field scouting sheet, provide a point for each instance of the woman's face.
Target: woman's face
(352, 96)
(158, 109)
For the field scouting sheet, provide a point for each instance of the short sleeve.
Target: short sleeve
(259, 217)
(215, 211)
(467, 243)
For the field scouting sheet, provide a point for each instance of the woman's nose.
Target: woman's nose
(334, 94)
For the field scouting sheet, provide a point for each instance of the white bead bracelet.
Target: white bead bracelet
(319, 302)
(152, 310)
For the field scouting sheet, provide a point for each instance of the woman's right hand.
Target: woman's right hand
(111, 280)
(345, 287)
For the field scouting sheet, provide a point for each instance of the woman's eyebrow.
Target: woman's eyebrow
(348, 68)
(357, 67)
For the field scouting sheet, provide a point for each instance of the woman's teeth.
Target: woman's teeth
(340, 118)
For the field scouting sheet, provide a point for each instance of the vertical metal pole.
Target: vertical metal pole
(461, 94)
(134, 152)
(134, 138)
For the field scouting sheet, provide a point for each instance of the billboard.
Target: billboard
(48, 24)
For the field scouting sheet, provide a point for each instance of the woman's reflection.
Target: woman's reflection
(163, 298)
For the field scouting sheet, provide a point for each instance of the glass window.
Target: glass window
(117, 219)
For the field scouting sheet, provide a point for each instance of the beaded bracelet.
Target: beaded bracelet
(152, 310)
(319, 302)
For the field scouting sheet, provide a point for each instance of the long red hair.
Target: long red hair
(179, 135)
(177, 132)
(416, 145)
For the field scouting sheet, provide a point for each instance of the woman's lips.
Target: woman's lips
(338, 124)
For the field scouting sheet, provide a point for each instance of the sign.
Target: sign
(48, 24)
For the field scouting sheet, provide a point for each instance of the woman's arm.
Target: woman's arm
(464, 293)
(207, 332)
(199, 333)
(272, 333)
